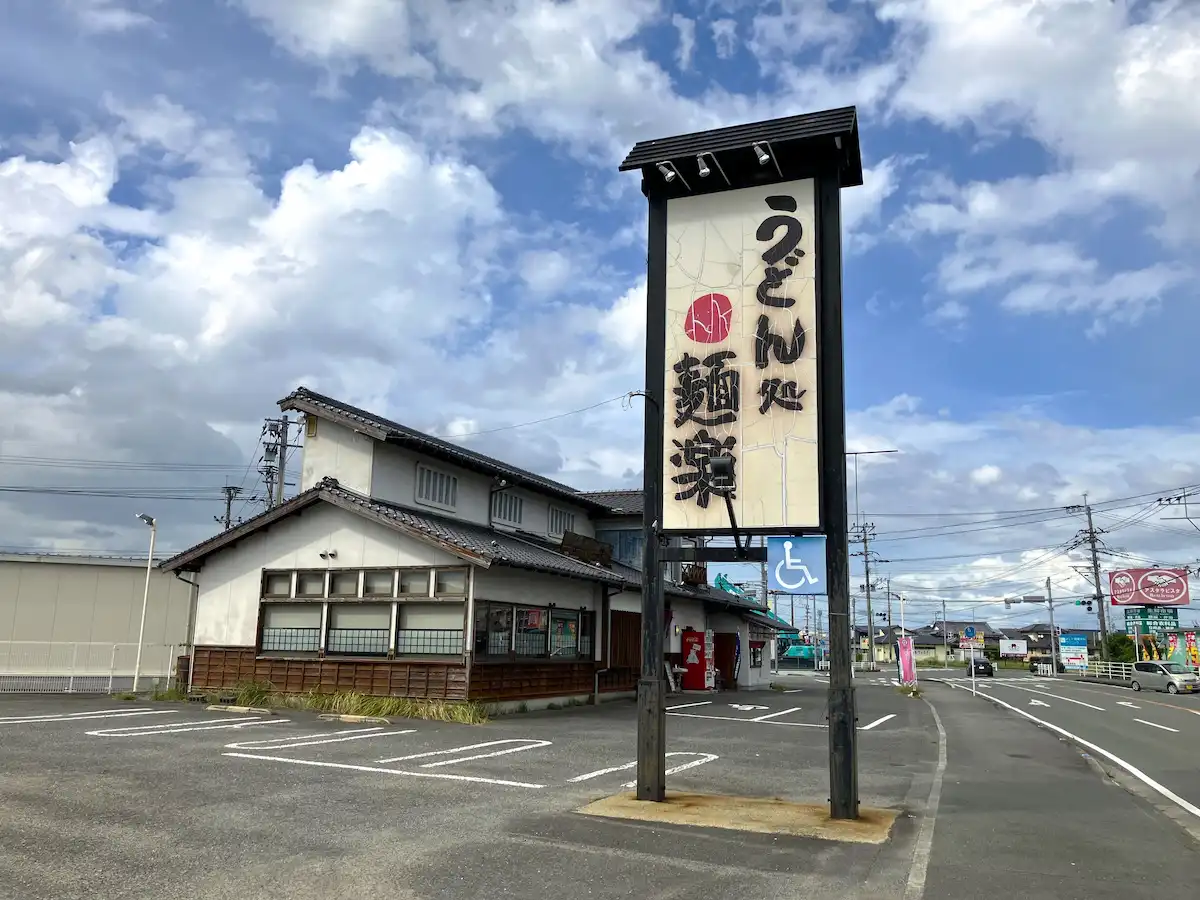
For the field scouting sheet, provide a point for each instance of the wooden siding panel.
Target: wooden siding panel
(224, 668)
(531, 680)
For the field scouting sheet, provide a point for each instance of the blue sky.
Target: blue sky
(263, 193)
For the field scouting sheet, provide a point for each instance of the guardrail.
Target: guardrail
(46, 667)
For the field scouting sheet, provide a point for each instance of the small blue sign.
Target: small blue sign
(969, 632)
(796, 565)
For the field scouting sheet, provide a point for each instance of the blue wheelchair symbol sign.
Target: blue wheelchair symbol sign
(796, 565)
(969, 632)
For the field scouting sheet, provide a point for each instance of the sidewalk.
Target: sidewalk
(1024, 812)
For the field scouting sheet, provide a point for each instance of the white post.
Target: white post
(74, 661)
(170, 666)
(112, 667)
(137, 665)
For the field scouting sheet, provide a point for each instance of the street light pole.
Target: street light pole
(137, 666)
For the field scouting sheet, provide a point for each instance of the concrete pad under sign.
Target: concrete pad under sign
(764, 815)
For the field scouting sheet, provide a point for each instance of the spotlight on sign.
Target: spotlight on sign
(704, 169)
(720, 473)
(763, 158)
(667, 174)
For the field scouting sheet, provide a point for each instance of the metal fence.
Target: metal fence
(43, 667)
(1118, 671)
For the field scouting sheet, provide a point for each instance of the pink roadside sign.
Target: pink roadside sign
(908, 663)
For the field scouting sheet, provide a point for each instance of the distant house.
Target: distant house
(411, 566)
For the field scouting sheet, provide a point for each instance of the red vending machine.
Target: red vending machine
(695, 660)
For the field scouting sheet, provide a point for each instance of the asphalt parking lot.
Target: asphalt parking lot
(113, 799)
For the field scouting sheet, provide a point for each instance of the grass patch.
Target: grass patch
(125, 695)
(349, 703)
(776, 686)
(909, 691)
(174, 693)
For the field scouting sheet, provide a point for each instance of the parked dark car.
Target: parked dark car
(982, 667)
(1033, 665)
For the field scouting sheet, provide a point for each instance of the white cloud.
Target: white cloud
(103, 16)
(724, 35)
(988, 474)
(687, 40)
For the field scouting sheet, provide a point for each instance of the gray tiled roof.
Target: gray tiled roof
(626, 503)
(304, 400)
(476, 542)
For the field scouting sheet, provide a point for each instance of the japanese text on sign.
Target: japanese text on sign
(740, 374)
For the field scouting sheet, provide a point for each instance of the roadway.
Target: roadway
(1156, 734)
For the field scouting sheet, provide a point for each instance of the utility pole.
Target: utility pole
(863, 533)
(230, 491)
(1053, 632)
(945, 639)
(275, 447)
(1099, 594)
(888, 588)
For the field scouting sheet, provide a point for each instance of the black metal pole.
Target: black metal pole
(652, 713)
(843, 736)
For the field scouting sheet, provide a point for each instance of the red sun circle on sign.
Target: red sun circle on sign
(709, 319)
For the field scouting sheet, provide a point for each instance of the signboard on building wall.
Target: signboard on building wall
(1014, 648)
(1149, 587)
(741, 359)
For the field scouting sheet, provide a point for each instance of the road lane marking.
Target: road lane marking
(877, 722)
(736, 719)
(526, 744)
(774, 714)
(1033, 702)
(1156, 725)
(84, 717)
(291, 743)
(1128, 767)
(705, 758)
(1127, 703)
(1054, 697)
(920, 864)
(599, 772)
(689, 705)
(794, 691)
(445, 776)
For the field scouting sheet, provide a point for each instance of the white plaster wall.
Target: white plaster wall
(627, 601)
(339, 452)
(506, 585)
(687, 613)
(431, 615)
(231, 580)
(394, 479)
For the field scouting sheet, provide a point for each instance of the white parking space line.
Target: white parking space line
(774, 714)
(1128, 767)
(879, 721)
(84, 717)
(525, 744)
(705, 758)
(181, 728)
(1053, 696)
(736, 719)
(794, 691)
(599, 772)
(445, 776)
(1156, 725)
(313, 740)
(66, 715)
(690, 705)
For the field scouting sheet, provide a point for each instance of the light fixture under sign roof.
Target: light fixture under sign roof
(667, 173)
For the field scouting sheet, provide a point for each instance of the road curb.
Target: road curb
(371, 720)
(241, 709)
